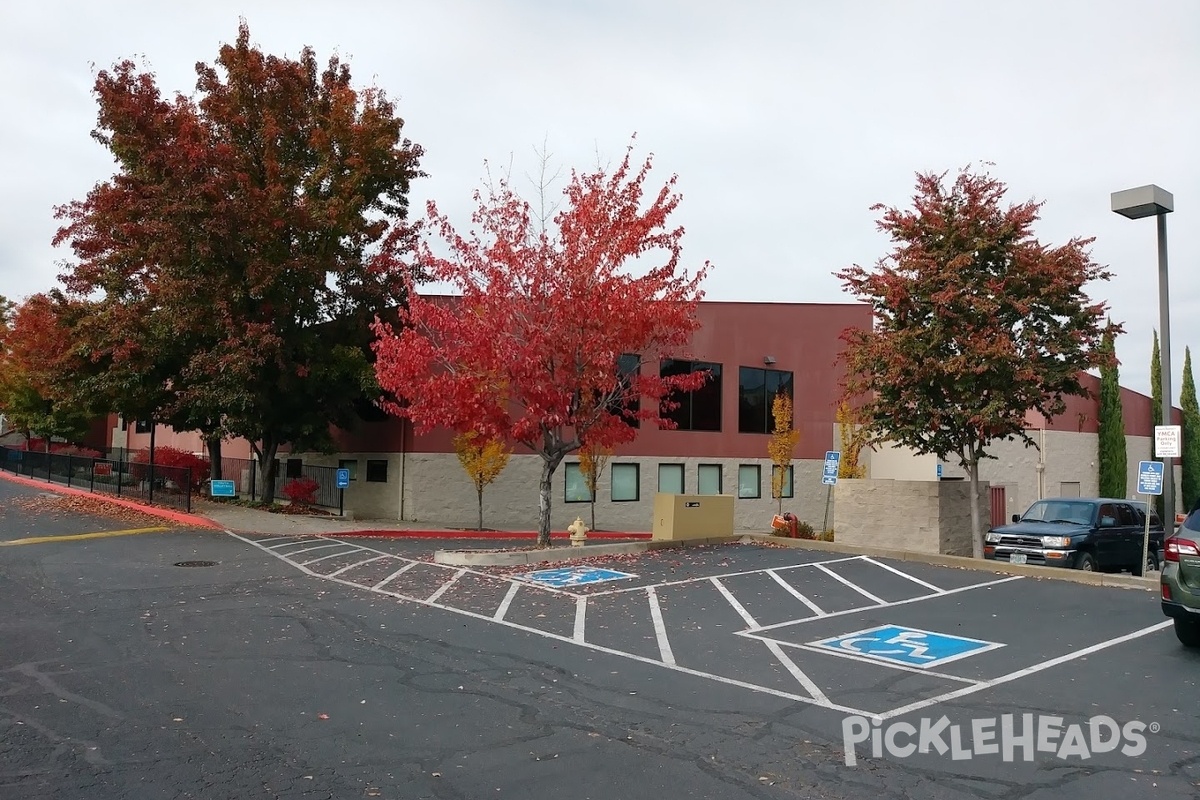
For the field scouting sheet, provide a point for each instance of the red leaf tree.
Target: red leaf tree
(976, 323)
(530, 348)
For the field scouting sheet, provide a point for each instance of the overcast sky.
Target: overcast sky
(785, 121)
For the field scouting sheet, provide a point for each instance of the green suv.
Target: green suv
(1181, 579)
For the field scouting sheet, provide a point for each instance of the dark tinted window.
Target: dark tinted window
(295, 467)
(699, 410)
(630, 364)
(377, 471)
(756, 394)
(1127, 516)
(1192, 523)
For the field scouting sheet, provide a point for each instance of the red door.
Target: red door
(999, 507)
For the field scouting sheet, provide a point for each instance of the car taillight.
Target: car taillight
(1176, 547)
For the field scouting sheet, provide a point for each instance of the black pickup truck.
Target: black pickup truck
(1097, 534)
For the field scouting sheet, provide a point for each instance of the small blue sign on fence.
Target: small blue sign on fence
(343, 478)
(222, 489)
(833, 460)
(1150, 477)
(574, 576)
(911, 647)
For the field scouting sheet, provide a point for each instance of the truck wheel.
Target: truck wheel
(1086, 562)
(1188, 632)
(1151, 564)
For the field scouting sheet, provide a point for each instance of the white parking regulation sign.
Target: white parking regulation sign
(1167, 441)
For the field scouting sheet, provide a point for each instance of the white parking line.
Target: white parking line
(294, 540)
(394, 575)
(738, 607)
(272, 539)
(442, 589)
(858, 589)
(796, 593)
(726, 575)
(335, 555)
(791, 667)
(660, 628)
(903, 574)
(860, 609)
(357, 564)
(1022, 673)
(580, 617)
(291, 553)
(508, 598)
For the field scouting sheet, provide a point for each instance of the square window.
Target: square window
(295, 467)
(670, 478)
(575, 484)
(142, 426)
(757, 388)
(626, 483)
(783, 485)
(350, 464)
(377, 470)
(749, 481)
(699, 410)
(709, 480)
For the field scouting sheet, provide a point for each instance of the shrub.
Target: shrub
(301, 491)
(827, 536)
(805, 531)
(171, 457)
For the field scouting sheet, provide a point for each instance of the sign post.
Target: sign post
(1150, 483)
(829, 477)
(343, 480)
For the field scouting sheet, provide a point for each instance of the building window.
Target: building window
(295, 467)
(142, 426)
(576, 485)
(756, 394)
(626, 483)
(629, 364)
(699, 410)
(709, 479)
(787, 485)
(670, 478)
(377, 470)
(749, 481)
(350, 464)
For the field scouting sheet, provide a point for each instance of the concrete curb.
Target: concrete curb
(962, 562)
(508, 558)
(485, 535)
(153, 511)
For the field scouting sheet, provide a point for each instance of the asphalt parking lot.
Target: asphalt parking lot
(355, 667)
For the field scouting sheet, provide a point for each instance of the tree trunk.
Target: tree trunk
(545, 488)
(213, 444)
(479, 491)
(593, 511)
(270, 448)
(976, 531)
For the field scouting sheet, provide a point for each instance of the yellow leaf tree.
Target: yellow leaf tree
(851, 433)
(482, 459)
(782, 445)
(592, 459)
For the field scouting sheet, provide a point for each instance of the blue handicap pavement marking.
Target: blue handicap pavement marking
(908, 646)
(575, 576)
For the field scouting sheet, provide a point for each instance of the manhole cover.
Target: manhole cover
(195, 563)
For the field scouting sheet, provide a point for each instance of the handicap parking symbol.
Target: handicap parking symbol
(574, 576)
(908, 646)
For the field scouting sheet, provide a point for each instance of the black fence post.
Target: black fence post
(92, 476)
(70, 469)
(120, 475)
(189, 490)
(253, 481)
(150, 497)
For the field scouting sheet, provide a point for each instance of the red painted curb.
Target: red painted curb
(154, 511)
(414, 534)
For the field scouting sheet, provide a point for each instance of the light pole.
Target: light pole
(1153, 201)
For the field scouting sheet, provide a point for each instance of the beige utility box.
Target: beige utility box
(692, 516)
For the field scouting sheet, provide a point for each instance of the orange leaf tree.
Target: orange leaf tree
(852, 436)
(529, 350)
(482, 459)
(976, 323)
(592, 460)
(782, 445)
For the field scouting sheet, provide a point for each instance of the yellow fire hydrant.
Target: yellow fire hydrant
(578, 531)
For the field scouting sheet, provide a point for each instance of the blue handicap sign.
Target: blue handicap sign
(343, 478)
(911, 647)
(222, 489)
(574, 576)
(1150, 477)
(833, 460)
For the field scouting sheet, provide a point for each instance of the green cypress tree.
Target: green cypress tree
(1156, 411)
(1190, 478)
(1113, 463)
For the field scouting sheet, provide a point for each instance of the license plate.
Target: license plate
(1016, 558)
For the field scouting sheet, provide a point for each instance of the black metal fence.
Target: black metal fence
(328, 495)
(149, 483)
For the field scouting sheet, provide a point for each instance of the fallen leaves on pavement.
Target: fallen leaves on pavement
(62, 505)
